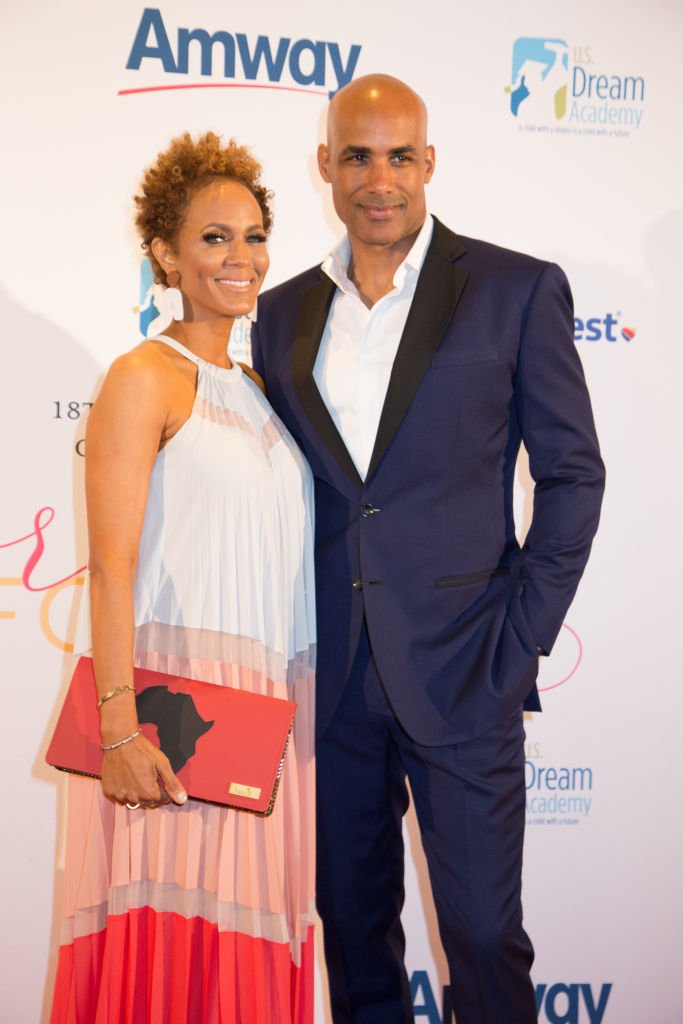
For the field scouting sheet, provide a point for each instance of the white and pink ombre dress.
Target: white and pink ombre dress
(199, 914)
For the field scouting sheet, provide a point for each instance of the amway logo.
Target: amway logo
(560, 1003)
(309, 62)
(563, 1003)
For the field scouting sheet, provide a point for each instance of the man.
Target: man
(409, 368)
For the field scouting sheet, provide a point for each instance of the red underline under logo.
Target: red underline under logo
(221, 85)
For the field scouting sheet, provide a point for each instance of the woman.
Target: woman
(199, 518)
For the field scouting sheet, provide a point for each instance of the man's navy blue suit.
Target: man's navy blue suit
(430, 616)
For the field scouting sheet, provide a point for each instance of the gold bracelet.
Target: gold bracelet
(113, 693)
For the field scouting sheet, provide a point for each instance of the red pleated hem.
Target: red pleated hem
(161, 968)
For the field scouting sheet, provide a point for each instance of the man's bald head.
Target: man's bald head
(379, 93)
(378, 161)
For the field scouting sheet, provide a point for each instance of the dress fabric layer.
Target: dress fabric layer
(200, 913)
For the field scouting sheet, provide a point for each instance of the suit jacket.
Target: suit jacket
(425, 547)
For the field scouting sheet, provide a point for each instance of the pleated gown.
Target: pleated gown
(203, 914)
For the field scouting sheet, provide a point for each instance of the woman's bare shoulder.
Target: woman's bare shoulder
(147, 356)
(139, 375)
(148, 361)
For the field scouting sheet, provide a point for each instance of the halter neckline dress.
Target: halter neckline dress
(202, 914)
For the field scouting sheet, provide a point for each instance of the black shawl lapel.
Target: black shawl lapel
(313, 312)
(438, 291)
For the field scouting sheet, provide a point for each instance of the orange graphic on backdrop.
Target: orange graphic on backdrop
(42, 520)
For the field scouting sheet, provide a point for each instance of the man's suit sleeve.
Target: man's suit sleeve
(257, 360)
(558, 432)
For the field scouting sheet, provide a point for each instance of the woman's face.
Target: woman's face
(220, 252)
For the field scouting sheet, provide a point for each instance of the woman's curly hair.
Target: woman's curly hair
(178, 173)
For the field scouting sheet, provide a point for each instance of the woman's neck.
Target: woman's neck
(207, 339)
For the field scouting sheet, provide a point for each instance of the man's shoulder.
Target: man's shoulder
(478, 251)
(290, 289)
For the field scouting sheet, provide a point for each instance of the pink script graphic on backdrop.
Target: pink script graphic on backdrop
(41, 521)
(577, 662)
(45, 516)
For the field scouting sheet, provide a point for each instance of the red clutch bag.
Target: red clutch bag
(226, 746)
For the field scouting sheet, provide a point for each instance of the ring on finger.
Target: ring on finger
(132, 807)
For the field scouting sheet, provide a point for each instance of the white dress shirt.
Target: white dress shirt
(359, 345)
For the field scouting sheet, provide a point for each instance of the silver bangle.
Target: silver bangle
(126, 739)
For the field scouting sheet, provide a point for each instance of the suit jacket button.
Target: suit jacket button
(357, 584)
(368, 510)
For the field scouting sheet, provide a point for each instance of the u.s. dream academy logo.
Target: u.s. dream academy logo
(174, 57)
(555, 87)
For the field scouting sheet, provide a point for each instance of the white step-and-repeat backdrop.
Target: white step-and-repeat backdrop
(558, 131)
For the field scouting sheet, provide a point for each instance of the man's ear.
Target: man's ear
(324, 162)
(164, 254)
(430, 162)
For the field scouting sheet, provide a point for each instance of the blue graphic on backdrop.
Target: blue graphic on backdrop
(147, 311)
(539, 77)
